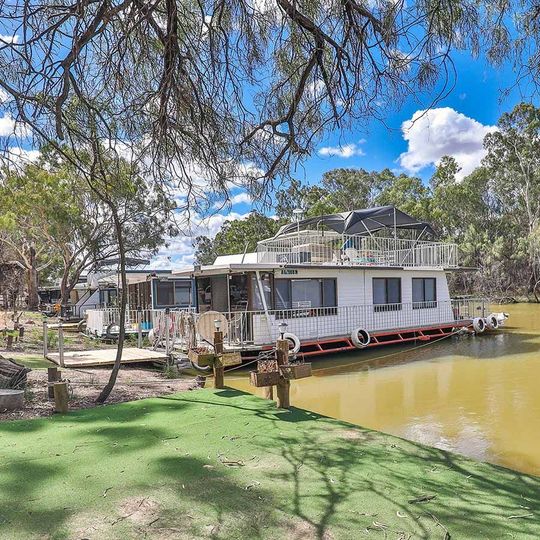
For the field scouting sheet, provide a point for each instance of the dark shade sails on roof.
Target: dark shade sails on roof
(360, 222)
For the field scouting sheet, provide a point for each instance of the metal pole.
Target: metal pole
(45, 336)
(60, 344)
(139, 327)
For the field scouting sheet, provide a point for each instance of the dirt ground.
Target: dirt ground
(84, 384)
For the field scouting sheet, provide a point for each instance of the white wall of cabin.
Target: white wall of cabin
(355, 304)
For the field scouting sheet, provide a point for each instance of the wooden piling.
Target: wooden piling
(219, 372)
(61, 402)
(53, 375)
(167, 331)
(284, 385)
(268, 392)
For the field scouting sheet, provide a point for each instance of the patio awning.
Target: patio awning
(360, 222)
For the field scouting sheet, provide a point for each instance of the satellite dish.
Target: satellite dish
(206, 325)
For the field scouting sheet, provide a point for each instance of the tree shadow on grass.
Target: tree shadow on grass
(334, 471)
(221, 500)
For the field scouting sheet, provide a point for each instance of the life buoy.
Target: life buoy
(360, 338)
(492, 322)
(294, 341)
(479, 325)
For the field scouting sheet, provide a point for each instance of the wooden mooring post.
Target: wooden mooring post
(61, 401)
(284, 385)
(53, 376)
(139, 327)
(219, 371)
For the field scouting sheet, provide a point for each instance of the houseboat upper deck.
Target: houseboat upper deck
(371, 237)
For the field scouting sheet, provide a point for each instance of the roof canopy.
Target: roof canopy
(360, 222)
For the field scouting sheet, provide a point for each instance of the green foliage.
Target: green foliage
(236, 236)
(52, 339)
(170, 371)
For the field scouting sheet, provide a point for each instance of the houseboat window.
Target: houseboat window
(204, 294)
(424, 293)
(283, 293)
(182, 294)
(387, 294)
(108, 297)
(172, 293)
(238, 292)
(164, 293)
(305, 293)
(266, 281)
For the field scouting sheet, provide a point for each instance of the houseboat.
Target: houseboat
(331, 283)
(150, 292)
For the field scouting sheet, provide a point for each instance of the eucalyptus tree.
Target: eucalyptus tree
(208, 88)
(26, 215)
(513, 163)
(208, 94)
(236, 236)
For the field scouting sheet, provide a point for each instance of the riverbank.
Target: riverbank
(223, 464)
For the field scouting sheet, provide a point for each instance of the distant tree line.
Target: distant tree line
(493, 214)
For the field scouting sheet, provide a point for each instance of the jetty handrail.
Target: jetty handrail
(329, 247)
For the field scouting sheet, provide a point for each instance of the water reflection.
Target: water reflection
(474, 395)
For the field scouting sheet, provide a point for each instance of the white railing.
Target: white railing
(104, 321)
(328, 247)
(253, 328)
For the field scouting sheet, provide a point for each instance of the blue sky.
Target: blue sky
(477, 96)
(456, 126)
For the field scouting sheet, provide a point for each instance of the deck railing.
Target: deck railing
(251, 328)
(103, 321)
(331, 248)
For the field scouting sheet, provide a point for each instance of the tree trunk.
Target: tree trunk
(123, 304)
(33, 296)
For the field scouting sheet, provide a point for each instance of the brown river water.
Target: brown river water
(475, 395)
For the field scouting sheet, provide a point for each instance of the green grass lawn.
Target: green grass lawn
(222, 464)
(34, 361)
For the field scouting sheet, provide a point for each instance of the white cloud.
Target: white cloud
(345, 151)
(9, 39)
(16, 157)
(4, 96)
(239, 198)
(8, 126)
(181, 250)
(442, 132)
